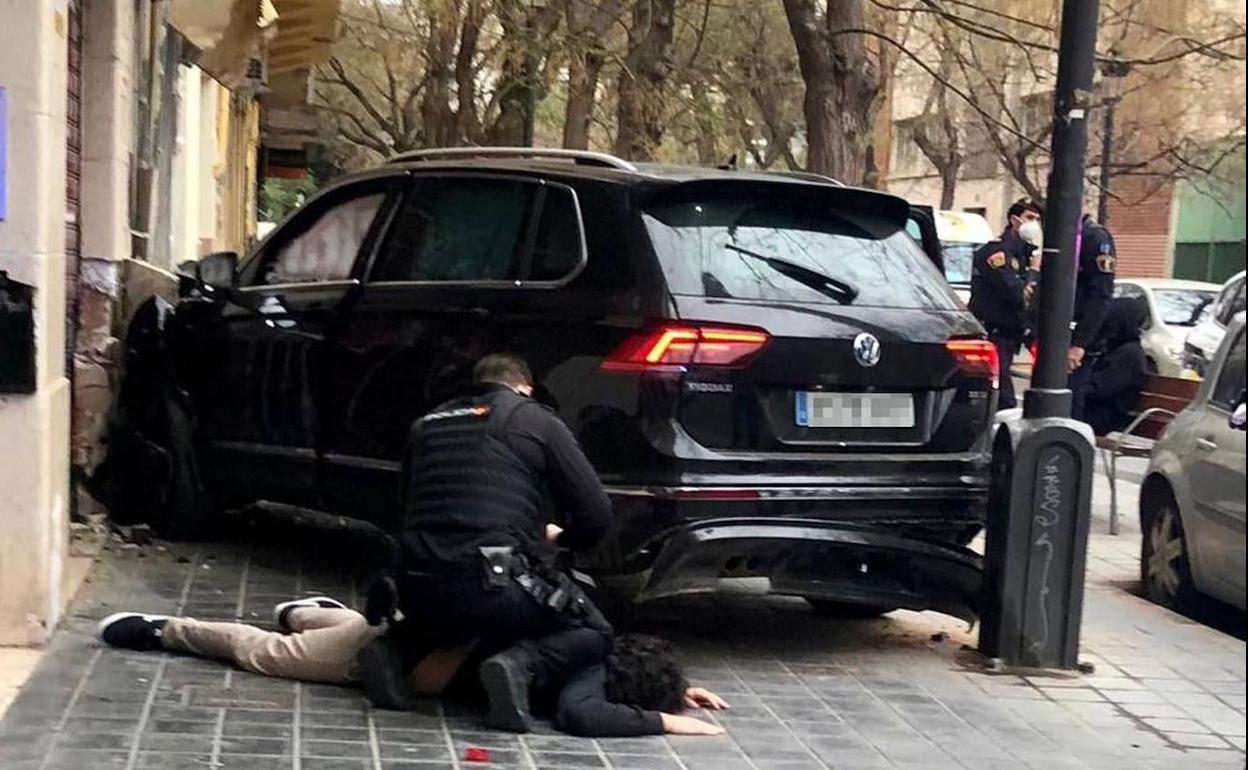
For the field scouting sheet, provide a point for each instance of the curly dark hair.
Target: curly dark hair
(641, 672)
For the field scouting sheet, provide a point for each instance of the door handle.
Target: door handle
(1207, 444)
(479, 312)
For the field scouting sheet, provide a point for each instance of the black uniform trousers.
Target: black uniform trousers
(451, 610)
(1080, 382)
(1007, 343)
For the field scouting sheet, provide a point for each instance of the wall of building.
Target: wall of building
(34, 457)
(1143, 226)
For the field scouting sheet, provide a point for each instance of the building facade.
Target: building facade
(1173, 119)
(130, 142)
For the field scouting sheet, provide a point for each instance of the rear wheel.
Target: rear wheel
(847, 610)
(1165, 569)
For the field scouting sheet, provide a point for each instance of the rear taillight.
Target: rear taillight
(680, 345)
(977, 358)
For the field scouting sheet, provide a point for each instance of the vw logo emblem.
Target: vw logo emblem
(866, 350)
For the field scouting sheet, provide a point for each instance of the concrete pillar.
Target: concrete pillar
(185, 190)
(108, 118)
(208, 136)
(34, 455)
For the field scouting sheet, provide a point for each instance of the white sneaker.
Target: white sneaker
(281, 611)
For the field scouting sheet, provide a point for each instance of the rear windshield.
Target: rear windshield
(784, 249)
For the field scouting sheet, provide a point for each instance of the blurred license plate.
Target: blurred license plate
(855, 410)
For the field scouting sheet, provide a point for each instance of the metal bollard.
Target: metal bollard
(1037, 540)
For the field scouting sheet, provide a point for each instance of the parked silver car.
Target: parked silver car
(1192, 501)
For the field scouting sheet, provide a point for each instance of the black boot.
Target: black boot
(506, 678)
(381, 601)
(385, 674)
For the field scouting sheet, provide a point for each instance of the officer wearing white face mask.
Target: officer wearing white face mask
(1000, 290)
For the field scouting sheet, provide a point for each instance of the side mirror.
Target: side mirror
(1239, 415)
(218, 270)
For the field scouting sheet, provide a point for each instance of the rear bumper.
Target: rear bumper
(897, 546)
(822, 560)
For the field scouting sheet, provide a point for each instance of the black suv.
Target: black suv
(770, 375)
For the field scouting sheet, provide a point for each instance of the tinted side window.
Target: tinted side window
(325, 245)
(557, 249)
(1231, 378)
(457, 229)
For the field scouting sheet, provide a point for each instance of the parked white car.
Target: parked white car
(1174, 309)
(1202, 342)
(1192, 499)
(961, 233)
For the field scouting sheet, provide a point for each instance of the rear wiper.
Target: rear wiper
(838, 290)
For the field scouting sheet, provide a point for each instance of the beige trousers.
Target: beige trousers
(322, 648)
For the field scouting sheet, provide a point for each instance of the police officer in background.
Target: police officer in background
(477, 542)
(1094, 291)
(1000, 291)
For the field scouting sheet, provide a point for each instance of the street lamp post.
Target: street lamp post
(1040, 503)
(1113, 70)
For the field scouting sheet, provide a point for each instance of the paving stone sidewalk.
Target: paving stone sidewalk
(807, 692)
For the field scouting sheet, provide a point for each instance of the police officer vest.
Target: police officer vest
(466, 487)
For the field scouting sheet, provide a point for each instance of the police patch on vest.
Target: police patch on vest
(469, 411)
(1106, 263)
(997, 260)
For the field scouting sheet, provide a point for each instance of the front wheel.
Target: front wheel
(1165, 568)
(188, 509)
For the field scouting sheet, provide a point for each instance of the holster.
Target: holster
(552, 589)
(497, 566)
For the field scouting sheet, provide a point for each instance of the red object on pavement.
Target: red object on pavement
(474, 754)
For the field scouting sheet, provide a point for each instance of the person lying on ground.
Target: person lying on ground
(320, 641)
(640, 690)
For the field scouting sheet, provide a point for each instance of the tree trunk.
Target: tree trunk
(948, 185)
(708, 150)
(525, 36)
(468, 125)
(641, 92)
(841, 85)
(588, 22)
(583, 74)
(437, 120)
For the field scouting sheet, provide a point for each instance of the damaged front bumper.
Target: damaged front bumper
(820, 560)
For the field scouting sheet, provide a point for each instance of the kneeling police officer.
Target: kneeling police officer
(477, 541)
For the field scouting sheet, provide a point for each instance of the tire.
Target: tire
(615, 595)
(829, 608)
(1165, 568)
(188, 508)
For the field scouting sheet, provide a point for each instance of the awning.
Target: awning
(305, 33)
(232, 34)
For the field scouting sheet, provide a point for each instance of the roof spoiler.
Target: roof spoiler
(894, 210)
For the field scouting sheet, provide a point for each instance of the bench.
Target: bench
(1161, 399)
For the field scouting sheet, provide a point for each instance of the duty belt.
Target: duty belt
(553, 590)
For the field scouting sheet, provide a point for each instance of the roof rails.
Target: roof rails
(809, 176)
(579, 157)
